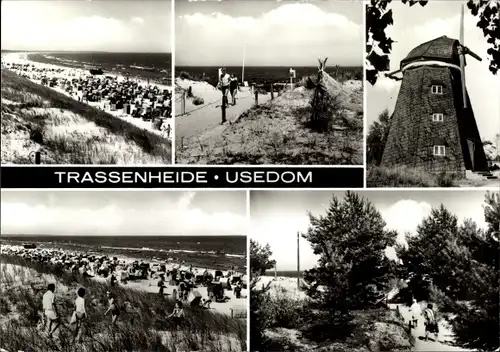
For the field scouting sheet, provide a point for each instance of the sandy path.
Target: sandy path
(445, 334)
(209, 115)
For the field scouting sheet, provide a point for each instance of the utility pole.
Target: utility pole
(298, 262)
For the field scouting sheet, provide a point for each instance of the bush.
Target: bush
(198, 101)
(445, 179)
(185, 75)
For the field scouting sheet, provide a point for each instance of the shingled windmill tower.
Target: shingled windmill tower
(433, 126)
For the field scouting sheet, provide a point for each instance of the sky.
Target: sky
(416, 25)
(124, 213)
(277, 216)
(275, 33)
(85, 25)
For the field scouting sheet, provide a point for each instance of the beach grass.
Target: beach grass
(37, 118)
(142, 324)
(279, 132)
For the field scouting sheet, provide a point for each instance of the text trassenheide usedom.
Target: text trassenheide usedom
(182, 177)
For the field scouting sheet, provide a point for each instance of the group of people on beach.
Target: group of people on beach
(184, 279)
(106, 92)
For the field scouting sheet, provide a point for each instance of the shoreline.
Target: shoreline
(67, 72)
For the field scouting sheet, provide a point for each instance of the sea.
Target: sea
(267, 74)
(197, 250)
(155, 66)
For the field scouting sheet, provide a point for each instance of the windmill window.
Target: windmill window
(437, 89)
(437, 117)
(439, 150)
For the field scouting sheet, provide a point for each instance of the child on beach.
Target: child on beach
(233, 87)
(49, 309)
(113, 308)
(78, 315)
(177, 314)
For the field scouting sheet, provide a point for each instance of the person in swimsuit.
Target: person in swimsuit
(177, 314)
(224, 84)
(49, 309)
(113, 308)
(78, 315)
(233, 86)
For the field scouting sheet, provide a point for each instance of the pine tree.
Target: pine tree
(259, 263)
(352, 269)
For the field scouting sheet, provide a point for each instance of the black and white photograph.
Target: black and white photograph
(123, 271)
(269, 82)
(433, 112)
(86, 82)
(392, 270)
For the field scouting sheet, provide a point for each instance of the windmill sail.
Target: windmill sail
(462, 56)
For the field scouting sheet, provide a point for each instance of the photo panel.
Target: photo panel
(374, 270)
(124, 270)
(87, 82)
(433, 112)
(269, 82)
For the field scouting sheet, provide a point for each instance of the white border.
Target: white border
(248, 224)
(365, 101)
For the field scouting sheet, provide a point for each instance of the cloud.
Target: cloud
(297, 31)
(170, 216)
(404, 216)
(137, 20)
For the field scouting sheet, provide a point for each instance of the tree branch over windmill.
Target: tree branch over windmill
(379, 16)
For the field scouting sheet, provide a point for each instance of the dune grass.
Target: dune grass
(279, 132)
(35, 117)
(142, 324)
(406, 177)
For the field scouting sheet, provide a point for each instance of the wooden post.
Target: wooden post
(272, 91)
(183, 104)
(256, 97)
(298, 262)
(275, 270)
(223, 109)
(38, 158)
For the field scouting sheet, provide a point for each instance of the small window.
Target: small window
(437, 89)
(439, 150)
(437, 117)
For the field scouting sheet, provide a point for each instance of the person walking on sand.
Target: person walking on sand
(416, 311)
(79, 315)
(431, 325)
(113, 308)
(233, 86)
(50, 311)
(224, 85)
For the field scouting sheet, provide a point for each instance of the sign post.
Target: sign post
(292, 76)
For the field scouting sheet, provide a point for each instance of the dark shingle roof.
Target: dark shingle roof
(440, 49)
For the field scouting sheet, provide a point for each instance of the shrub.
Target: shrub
(198, 101)
(185, 75)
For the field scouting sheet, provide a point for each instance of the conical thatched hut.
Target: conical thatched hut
(430, 128)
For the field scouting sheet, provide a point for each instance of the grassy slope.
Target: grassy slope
(142, 324)
(36, 117)
(277, 132)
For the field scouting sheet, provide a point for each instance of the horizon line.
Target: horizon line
(121, 235)
(88, 51)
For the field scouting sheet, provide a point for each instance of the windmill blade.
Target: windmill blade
(462, 57)
(474, 55)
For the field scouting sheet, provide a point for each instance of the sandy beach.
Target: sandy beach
(232, 306)
(67, 73)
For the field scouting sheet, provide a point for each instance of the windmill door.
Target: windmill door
(471, 147)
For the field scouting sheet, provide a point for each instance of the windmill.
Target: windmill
(433, 127)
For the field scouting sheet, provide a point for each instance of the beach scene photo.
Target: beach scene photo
(86, 82)
(433, 113)
(123, 271)
(367, 271)
(269, 82)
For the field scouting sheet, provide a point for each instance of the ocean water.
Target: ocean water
(156, 66)
(267, 74)
(234, 245)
